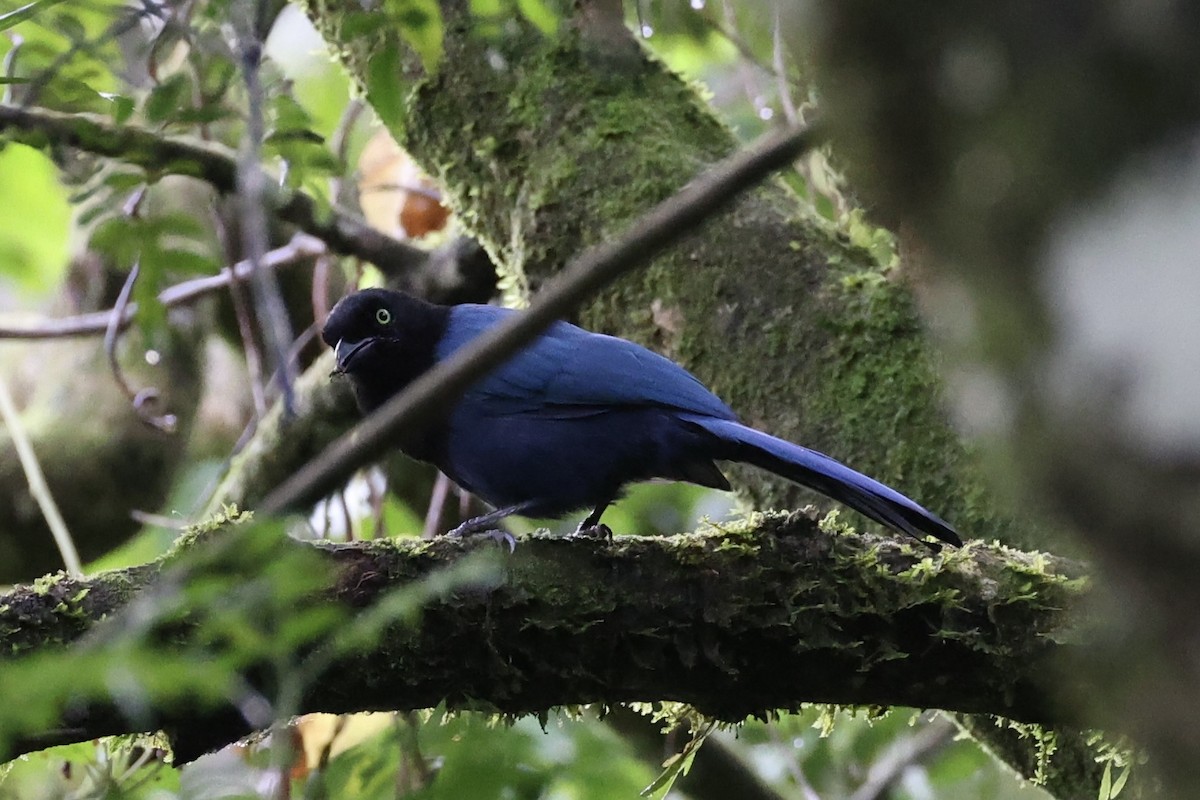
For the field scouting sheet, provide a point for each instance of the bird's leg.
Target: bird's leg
(591, 527)
(485, 525)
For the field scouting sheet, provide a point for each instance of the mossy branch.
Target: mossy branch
(162, 155)
(746, 621)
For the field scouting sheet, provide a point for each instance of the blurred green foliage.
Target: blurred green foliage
(35, 243)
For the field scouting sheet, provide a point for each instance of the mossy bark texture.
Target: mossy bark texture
(736, 623)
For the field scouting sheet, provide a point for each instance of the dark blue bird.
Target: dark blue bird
(573, 418)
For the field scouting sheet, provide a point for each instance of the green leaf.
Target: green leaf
(167, 98)
(420, 23)
(541, 15)
(19, 15)
(189, 262)
(1106, 783)
(151, 313)
(34, 244)
(487, 8)
(70, 26)
(1119, 783)
(122, 107)
(289, 117)
(677, 766)
(383, 87)
(356, 24)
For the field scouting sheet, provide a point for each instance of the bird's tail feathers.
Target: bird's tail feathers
(827, 476)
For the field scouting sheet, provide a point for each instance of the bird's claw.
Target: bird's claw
(597, 531)
(496, 535)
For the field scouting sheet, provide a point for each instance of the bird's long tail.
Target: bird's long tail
(827, 476)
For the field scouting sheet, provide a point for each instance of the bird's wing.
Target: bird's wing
(568, 370)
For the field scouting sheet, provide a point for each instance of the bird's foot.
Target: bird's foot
(597, 531)
(495, 534)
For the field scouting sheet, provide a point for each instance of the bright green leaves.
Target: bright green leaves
(545, 15)
(162, 245)
(60, 52)
(167, 98)
(677, 765)
(23, 13)
(439, 757)
(420, 23)
(33, 243)
(541, 14)
(384, 88)
(303, 158)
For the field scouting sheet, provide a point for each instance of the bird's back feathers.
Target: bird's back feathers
(568, 369)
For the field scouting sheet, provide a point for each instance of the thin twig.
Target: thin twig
(245, 326)
(322, 269)
(9, 65)
(269, 307)
(794, 767)
(339, 143)
(157, 520)
(434, 390)
(437, 501)
(301, 247)
(731, 35)
(160, 155)
(902, 754)
(37, 483)
(780, 65)
(142, 399)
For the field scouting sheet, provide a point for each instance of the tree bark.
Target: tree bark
(737, 622)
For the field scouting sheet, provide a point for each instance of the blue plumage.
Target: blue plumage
(573, 418)
(571, 367)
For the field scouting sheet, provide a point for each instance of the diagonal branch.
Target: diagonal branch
(738, 622)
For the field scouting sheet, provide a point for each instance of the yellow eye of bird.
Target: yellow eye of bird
(383, 316)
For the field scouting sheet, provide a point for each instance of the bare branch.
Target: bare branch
(902, 754)
(37, 482)
(270, 309)
(143, 400)
(301, 248)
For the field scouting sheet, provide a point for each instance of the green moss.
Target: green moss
(192, 535)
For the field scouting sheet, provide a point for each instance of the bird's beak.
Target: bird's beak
(344, 353)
